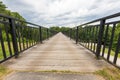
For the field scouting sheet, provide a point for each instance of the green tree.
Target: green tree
(2, 8)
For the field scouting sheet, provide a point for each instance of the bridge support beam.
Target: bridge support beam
(100, 35)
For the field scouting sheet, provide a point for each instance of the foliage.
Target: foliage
(55, 29)
(116, 36)
(4, 11)
(109, 73)
(4, 71)
(90, 34)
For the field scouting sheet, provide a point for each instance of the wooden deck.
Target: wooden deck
(57, 53)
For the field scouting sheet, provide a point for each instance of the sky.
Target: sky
(69, 13)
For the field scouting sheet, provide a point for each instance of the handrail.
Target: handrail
(95, 37)
(9, 17)
(23, 36)
(103, 18)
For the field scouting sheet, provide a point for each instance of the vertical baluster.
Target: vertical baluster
(111, 41)
(105, 40)
(8, 39)
(117, 50)
(40, 30)
(2, 44)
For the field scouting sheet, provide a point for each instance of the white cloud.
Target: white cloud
(63, 12)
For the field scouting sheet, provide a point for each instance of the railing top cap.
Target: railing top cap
(103, 18)
(9, 17)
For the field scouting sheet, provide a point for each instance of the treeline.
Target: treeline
(59, 29)
(23, 29)
(115, 38)
(90, 34)
(5, 11)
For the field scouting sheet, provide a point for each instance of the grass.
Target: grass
(109, 73)
(106, 50)
(7, 49)
(4, 71)
(112, 52)
(59, 71)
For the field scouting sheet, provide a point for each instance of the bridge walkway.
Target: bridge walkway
(59, 53)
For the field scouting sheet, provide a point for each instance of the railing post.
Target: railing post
(14, 37)
(100, 35)
(40, 30)
(70, 31)
(47, 33)
(77, 35)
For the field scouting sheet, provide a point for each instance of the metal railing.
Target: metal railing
(101, 36)
(17, 36)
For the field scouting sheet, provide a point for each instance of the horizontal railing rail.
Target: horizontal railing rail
(17, 35)
(100, 36)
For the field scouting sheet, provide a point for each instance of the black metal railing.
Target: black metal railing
(17, 36)
(101, 36)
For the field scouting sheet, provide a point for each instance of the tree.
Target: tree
(2, 8)
(4, 11)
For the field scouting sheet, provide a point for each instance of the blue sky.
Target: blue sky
(63, 12)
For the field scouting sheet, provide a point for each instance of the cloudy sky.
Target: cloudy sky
(63, 12)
